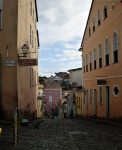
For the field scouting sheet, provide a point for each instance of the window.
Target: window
(94, 58)
(30, 78)
(86, 63)
(35, 23)
(90, 96)
(56, 102)
(100, 56)
(90, 61)
(35, 78)
(98, 15)
(100, 94)
(35, 44)
(32, 38)
(93, 24)
(50, 93)
(33, 15)
(106, 53)
(115, 48)
(31, 8)
(116, 91)
(89, 32)
(56, 93)
(30, 34)
(105, 12)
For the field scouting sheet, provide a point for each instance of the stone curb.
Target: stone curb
(107, 122)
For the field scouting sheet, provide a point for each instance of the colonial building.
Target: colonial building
(102, 60)
(75, 76)
(53, 96)
(19, 44)
(75, 94)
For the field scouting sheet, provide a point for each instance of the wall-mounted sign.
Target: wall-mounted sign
(101, 82)
(10, 63)
(28, 62)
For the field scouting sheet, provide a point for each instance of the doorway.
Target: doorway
(86, 102)
(107, 101)
(95, 102)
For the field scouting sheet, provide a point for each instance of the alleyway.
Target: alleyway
(65, 134)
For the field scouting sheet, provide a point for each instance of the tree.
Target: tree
(41, 80)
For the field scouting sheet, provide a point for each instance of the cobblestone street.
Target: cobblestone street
(64, 134)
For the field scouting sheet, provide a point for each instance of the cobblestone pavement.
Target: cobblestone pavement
(64, 134)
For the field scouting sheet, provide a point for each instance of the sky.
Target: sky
(61, 25)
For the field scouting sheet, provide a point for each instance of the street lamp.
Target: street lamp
(25, 50)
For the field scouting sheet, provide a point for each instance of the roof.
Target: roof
(75, 69)
(52, 85)
(86, 24)
(36, 10)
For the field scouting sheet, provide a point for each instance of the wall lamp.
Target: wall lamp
(81, 48)
(25, 50)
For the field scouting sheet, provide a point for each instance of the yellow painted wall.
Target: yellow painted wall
(78, 103)
(112, 73)
(14, 33)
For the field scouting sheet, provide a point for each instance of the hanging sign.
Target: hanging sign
(28, 62)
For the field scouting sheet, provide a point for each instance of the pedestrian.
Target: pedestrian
(65, 112)
(71, 113)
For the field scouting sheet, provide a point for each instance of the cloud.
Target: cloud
(61, 26)
(61, 20)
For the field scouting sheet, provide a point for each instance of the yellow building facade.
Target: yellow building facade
(78, 103)
(18, 74)
(102, 60)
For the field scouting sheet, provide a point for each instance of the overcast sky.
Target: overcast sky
(61, 26)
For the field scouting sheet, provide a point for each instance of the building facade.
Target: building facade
(102, 60)
(53, 96)
(78, 94)
(18, 69)
(75, 76)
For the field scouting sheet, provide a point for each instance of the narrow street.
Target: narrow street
(64, 134)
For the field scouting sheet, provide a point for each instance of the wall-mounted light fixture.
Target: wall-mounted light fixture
(25, 50)
(80, 49)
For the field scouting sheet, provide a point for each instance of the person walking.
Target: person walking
(65, 113)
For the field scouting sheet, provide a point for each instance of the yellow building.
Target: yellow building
(18, 69)
(102, 60)
(78, 94)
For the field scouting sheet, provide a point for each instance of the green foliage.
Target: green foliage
(41, 79)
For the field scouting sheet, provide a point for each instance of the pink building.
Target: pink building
(53, 96)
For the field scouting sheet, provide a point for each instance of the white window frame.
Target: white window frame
(90, 59)
(100, 51)
(32, 38)
(94, 54)
(93, 23)
(98, 15)
(30, 34)
(105, 6)
(31, 7)
(116, 44)
(107, 50)
(56, 93)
